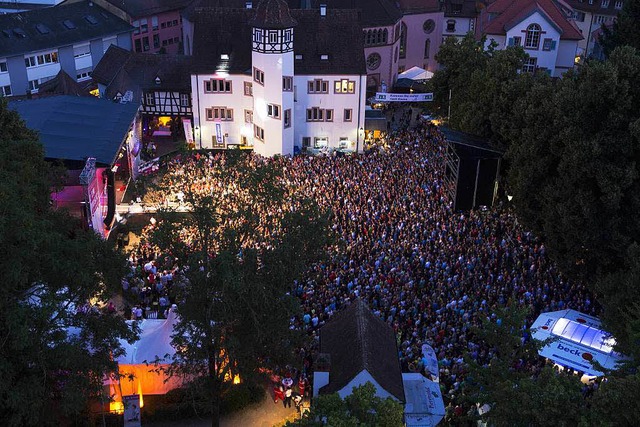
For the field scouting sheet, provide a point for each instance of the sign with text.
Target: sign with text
(403, 97)
(131, 410)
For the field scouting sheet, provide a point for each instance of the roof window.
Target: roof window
(298, 56)
(224, 56)
(324, 57)
(42, 29)
(69, 25)
(323, 10)
(20, 33)
(91, 19)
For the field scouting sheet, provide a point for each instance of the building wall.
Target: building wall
(362, 378)
(68, 58)
(459, 28)
(387, 68)
(545, 59)
(166, 27)
(418, 32)
(566, 57)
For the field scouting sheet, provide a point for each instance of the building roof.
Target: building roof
(356, 340)
(219, 31)
(502, 15)
(57, 26)
(75, 127)
(121, 70)
(460, 8)
(595, 8)
(62, 84)
(409, 7)
(272, 14)
(141, 8)
(375, 13)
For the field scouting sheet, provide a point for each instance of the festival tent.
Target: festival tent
(141, 366)
(575, 340)
(424, 406)
(415, 73)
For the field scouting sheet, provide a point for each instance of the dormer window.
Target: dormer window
(158, 81)
(323, 10)
(324, 57)
(248, 5)
(298, 56)
(224, 56)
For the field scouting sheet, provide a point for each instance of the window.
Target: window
(373, 61)
(287, 84)
(258, 132)
(344, 142)
(324, 57)
(5, 91)
(84, 75)
(175, 22)
(529, 65)
(451, 25)
(149, 98)
(273, 111)
(136, 27)
(328, 115)
(619, 5)
(138, 45)
(248, 5)
(258, 76)
(163, 25)
(315, 114)
(604, 4)
(323, 10)
(320, 142)
(287, 118)
(248, 116)
(80, 51)
(306, 142)
(143, 25)
(156, 41)
(348, 113)
(145, 44)
(219, 113)
(3, 67)
(185, 99)
(403, 40)
(533, 37)
(298, 56)
(154, 23)
(344, 86)
(579, 16)
(34, 85)
(427, 48)
(548, 44)
(318, 86)
(217, 86)
(248, 89)
(428, 26)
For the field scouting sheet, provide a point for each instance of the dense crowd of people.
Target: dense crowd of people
(430, 272)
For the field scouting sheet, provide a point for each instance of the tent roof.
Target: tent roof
(77, 127)
(415, 73)
(424, 406)
(154, 342)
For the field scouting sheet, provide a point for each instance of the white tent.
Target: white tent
(424, 406)
(137, 366)
(415, 73)
(577, 339)
(430, 362)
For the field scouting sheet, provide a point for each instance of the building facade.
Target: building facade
(590, 16)
(279, 85)
(36, 45)
(543, 28)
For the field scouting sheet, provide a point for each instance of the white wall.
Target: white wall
(566, 56)
(320, 379)
(546, 59)
(362, 379)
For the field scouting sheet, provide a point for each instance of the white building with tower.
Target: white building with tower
(275, 79)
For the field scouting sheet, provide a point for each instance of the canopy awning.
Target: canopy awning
(415, 73)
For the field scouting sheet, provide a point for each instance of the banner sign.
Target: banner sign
(131, 410)
(188, 133)
(403, 97)
(219, 133)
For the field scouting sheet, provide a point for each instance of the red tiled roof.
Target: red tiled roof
(507, 13)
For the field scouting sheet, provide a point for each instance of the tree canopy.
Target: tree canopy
(361, 408)
(625, 30)
(245, 238)
(53, 350)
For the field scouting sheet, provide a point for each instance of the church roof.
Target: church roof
(356, 340)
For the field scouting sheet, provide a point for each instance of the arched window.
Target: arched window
(533, 37)
(427, 48)
(378, 36)
(369, 36)
(385, 36)
(403, 40)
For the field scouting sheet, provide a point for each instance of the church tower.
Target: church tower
(272, 61)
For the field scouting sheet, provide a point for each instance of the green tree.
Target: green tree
(625, 30)
(251, 237)
(361, 408)
(507, 381)
(52, 356)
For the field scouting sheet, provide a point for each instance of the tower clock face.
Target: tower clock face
(373, 61)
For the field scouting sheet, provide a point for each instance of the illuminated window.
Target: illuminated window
(344, 86)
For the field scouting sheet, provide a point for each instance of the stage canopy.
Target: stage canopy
(415, 73)
(578, 339)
